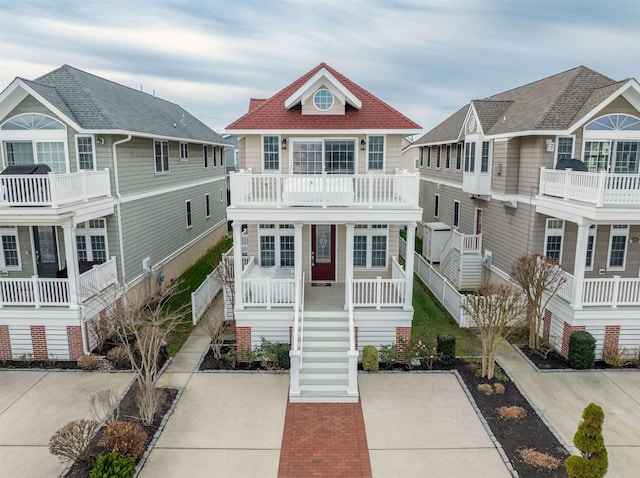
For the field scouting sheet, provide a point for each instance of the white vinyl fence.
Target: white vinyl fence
(439, 286)
(202, 297)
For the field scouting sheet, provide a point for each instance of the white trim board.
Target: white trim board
(157, 192)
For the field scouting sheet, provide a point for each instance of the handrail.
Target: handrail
(301, 318)
(352, 338)
(447, 246)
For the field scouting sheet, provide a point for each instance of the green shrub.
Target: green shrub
(582, 350)
(588, 439)
(113, 465)
(447, 349)
(370, 358)
(273, 355)
(388, 354)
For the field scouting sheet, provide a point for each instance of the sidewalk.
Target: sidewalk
(562, 396)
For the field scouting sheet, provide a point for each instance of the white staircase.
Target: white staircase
(324, 375)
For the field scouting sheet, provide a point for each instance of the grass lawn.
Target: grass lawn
(188, 282)
(418, 247)
(430, 318)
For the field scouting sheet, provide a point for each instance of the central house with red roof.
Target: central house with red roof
(321, 199)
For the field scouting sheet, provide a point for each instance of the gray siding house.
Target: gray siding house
(98, 183)
(550, 167)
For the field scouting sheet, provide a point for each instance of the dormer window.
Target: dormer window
(323, 99)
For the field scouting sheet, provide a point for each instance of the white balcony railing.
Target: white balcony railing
(612, 292)
(36, 291)
(278, 190)
(600, 189)
(378, 292)
(53, 189)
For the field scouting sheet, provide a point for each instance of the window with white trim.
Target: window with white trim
(375, 147)
(184, 151)
(277, 245)
(456, 213)
(207, 206)
(187, 211)
(331, 156)
(91, 241)
(370, 246)
(458, 156)
(205, 156)
(447, 158)
(591, 241)
(618, 239)
(215, 156)
(271, 153)
(470, 158)
(421, 157)
(564, 148)
(161, 152)
(85, 152)
(10, 253)
(554, 234)
(484, 159)
(436, 208)
(438, 155)
(428, 156)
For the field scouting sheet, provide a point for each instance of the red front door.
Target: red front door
(323, 252)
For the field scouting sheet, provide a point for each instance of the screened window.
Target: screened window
(470, 158)
(271, 152)
(618, 246)
(484, 162)
(161, 149)
(564, 149)
(85, 152)
(376, 153)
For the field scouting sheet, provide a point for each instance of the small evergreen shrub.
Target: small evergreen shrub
(588, 439)
(388, 354)
(447, 349)
(273, 355)
(370, 358)
(582, 350)
(125, 438)
(113, 465)
(89, 362)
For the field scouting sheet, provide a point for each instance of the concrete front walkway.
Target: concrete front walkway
(562, 396)
(33, 405)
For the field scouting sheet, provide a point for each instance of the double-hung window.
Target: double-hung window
(564, 149)
(91, 241)
(484, 163)
(84, 148)
(428, 156)
(458, 156)
(591, 241)
(277, 245)
(187, 210)
(205, 156)
(447, 158)
(438, 155)
(184, 151)
(370, 246)
(470, 158)
(456, 213)
(376, 153)
(10, 253)
(161, 150)
(618, 239)
(553, 239)
(271, 153)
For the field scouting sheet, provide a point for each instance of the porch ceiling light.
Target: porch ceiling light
(363, 145)
(284, 143)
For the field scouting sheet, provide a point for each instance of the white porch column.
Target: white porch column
(71, 256)
(408, 265)
(348, 271)
(580, 261)
(237, 264)
(297, 247)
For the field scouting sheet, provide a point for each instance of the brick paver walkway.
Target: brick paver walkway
(324, 440)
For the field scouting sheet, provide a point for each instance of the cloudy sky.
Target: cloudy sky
(424, 57)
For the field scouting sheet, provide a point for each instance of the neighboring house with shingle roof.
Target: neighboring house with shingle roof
(136, 193)
(322, 199)
(489, 173)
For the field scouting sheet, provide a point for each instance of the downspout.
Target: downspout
(530, 211)
(116, 179)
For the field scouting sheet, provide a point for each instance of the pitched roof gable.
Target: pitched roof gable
(273, 115)
(95, 103)
(447, 131)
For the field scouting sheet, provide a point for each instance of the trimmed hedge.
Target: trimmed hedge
(582, 350)
(446, 349)
(370, 358)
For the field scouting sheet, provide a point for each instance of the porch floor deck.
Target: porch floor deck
(324, 297)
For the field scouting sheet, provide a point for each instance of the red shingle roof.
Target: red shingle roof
(271, 114)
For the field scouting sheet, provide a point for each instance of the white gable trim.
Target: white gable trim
(10, 98)
(301, 132)
(314, 81)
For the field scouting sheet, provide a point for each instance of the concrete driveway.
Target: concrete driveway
(33, 405)
(562, 396)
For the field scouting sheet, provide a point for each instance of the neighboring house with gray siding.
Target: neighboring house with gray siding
(495, 173)
(136, 193)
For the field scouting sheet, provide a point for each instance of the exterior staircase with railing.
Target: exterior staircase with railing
(461, 260)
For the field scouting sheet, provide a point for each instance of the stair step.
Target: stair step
(325, 325)
(342, 345)
(328, 333)
(324, 397)
(324, 374)
(314, 350)
(332, 363)
(320, 383)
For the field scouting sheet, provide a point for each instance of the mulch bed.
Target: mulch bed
(555, 361)
(514, 434)
(128, 412)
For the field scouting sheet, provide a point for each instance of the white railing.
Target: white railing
(53, 189)
(268, 292)
(610, 292)
(601, 189)
(371, 190)
(378, 292)
(34, 291)
(397, 272)
(97, 278)
(465, 243)
(205, 293)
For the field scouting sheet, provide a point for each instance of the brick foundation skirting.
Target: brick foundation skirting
(566, 335)
(546, 324)
(611, 337)
(403, 336)
(243, 343)
(74, 338)
(5, 343)
(39, 342)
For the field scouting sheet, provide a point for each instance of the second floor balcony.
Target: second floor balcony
(53, 190)
(399, 190)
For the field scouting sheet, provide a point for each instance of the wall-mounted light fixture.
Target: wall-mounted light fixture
(363, 145)
(99, 140)
(284, 143)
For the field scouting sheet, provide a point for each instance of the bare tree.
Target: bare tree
(224, 274)
(214, 326)
(540, 279)
(495, 310)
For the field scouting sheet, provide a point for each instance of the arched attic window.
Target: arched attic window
(34, 138)
(614, 122)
